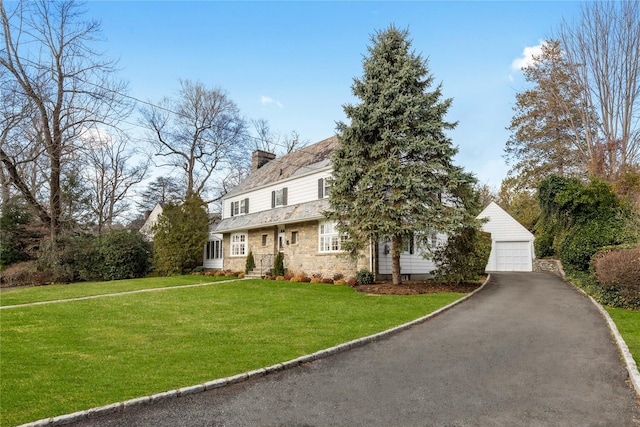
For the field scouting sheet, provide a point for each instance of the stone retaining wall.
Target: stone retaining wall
(549, 266)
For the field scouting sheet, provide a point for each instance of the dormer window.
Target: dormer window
(279, 197)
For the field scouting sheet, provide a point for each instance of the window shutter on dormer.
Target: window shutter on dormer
(284, 196)
(273, 199)
(320, 188)
(231, 206)
(246, 205)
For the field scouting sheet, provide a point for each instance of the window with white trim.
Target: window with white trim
(214, 249)
(240, 207)
(238, 244)
(324, 188)
(328, 237)
(279, 197)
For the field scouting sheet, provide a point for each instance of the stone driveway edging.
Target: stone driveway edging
(222, 382)
(632, 367)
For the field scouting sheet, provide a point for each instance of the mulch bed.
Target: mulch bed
(415, 287)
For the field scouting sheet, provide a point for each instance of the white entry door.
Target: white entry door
(513, 256)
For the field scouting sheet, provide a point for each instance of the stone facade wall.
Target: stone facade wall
(300, 257)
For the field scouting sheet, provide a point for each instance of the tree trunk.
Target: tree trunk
(396, 248)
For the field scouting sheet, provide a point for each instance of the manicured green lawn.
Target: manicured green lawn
(76, 290)
(628, 324)
(65, 357)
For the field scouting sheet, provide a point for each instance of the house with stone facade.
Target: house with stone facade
(279, 208)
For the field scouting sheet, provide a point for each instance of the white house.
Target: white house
(280, 208)
(151, 220)
(511, 243)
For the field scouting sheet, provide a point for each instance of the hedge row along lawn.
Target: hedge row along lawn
(628, 324)
(65, 357)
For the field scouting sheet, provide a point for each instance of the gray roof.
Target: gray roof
(283, 215)
(305, 160)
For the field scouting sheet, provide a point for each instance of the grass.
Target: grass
(628, 324)
(62, 358)
(54, 292)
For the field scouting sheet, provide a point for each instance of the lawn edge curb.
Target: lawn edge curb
(223, 382)
(623, 348)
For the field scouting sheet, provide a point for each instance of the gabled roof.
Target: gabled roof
(502, 226)
(305, 160)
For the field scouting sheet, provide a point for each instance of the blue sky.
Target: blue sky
(293, 63)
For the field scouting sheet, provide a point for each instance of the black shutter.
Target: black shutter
(246, 205)
(320, 188)
(273, 199)
(284, 196)
(231, 208)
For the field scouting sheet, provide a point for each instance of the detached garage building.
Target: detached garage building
(511, 243)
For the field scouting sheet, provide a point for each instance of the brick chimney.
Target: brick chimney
(260, 158)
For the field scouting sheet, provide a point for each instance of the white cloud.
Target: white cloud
(267, 100)
(527, 57)
(95, 138)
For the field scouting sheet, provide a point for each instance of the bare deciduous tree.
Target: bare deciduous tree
(604, 46)
(200, 133)
(68, 88)
(274, 142)
(111, 175)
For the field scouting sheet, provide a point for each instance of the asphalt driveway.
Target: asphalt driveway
(528, 350)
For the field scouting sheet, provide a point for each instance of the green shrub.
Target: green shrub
(618, 275)
(250, 264)
(464, 257)
(70, 259)
(543, 245)
(123, 255)
(19, 233)
(582, 241)
(278, 265)
(364, 277)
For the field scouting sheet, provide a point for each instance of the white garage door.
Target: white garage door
(513, 256)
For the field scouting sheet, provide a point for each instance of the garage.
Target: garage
(511, 243)
(513, 256)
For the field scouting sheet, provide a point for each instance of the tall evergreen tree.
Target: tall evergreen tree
(548, 133)
(180, 235)
(393, 175)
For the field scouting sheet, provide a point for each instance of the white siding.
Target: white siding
(511, 243)
(299, 190)
(216, 263)
(502, 226)
(414, 264)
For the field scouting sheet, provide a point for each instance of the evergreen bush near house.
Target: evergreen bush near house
(123, 255)
(364, 277)
(251, 263)
(464, 257)
(180, 234)
(278, 265)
